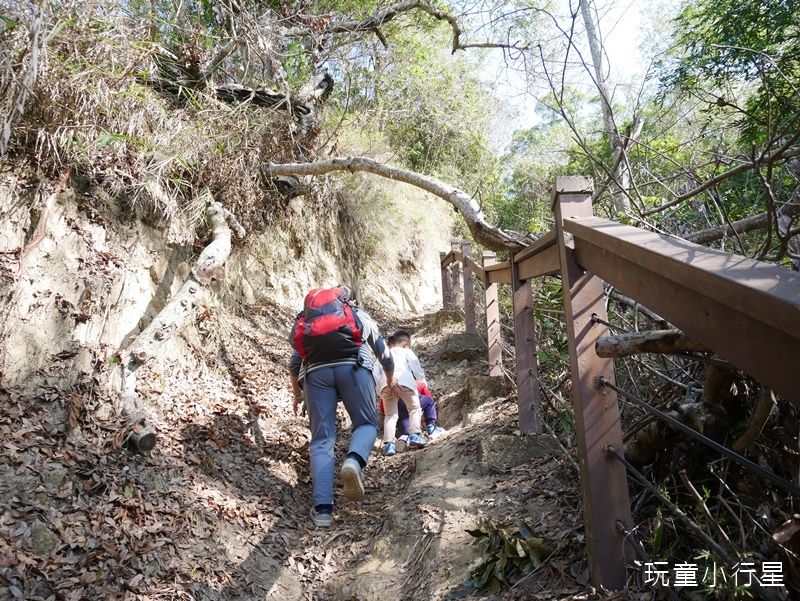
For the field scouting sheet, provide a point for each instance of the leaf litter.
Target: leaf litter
(219, 509)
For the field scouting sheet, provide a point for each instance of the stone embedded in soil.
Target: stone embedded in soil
(464, 346)
(501, 452)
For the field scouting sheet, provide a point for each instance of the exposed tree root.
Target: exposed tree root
(210, 267)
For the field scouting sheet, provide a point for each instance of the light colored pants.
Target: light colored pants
(411, 399)
(323, 389)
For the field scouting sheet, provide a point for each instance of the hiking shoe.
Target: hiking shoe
(434, 431)
(415, 440)
(352, 479)
(321, 519)
(388, 449)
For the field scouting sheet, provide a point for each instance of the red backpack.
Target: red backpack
(328, 329)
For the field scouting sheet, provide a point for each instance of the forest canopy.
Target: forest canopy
(201, 94)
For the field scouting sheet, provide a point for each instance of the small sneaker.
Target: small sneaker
(388, 449)
(352, 479)
(434, 431)
(415, 440)
(321, 519)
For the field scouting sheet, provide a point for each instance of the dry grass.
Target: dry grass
(91, 109)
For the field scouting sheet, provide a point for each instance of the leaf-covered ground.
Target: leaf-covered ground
(219, 510)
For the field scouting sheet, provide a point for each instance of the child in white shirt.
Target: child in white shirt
(407, 370)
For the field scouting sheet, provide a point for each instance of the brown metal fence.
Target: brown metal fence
(746, 312)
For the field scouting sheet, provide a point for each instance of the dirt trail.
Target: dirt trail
(219, 510)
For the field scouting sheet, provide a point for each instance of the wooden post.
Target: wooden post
(455, 275)
(469, 288)
(447, 293)
(493, 320)
(603, 478)
(525, 345)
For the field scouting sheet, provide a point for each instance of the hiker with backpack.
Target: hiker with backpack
(332, 363)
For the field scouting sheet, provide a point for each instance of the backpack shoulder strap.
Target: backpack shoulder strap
(352, 319)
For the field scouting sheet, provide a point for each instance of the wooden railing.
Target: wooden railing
(747, 312)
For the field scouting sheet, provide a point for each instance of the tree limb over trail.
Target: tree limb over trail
(489, 236)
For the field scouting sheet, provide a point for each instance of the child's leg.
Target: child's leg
(390, 421)
(428, 409)
(402, 422)
(414, 411)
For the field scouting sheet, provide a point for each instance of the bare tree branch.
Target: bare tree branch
(651, 341)
(782, 154)
(748, 224)
(374, 23)
(487, 235)
(762, 412)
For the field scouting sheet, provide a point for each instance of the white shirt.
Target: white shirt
(407, 369)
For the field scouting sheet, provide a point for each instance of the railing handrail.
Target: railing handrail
(746, 311)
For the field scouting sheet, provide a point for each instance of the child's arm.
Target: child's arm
(415, 367)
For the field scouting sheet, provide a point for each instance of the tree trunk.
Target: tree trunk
(621, 169)
(210, 266)
(748, 224)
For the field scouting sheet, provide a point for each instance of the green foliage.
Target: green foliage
(722, 39)
(297, 65)
(8, 24)
(510, 551)
(744, 55)
(532, 161)
(356, 9)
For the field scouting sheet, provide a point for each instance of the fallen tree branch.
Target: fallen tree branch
(653, 341)
(210, 266)
(748, 224)
(489, 236)
(760, 416)
(633, 304)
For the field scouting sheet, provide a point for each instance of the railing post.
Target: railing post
(597, 422)
(455, 275)
(493, 320)
(447, 293)
(469, 288)
(525, 345)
